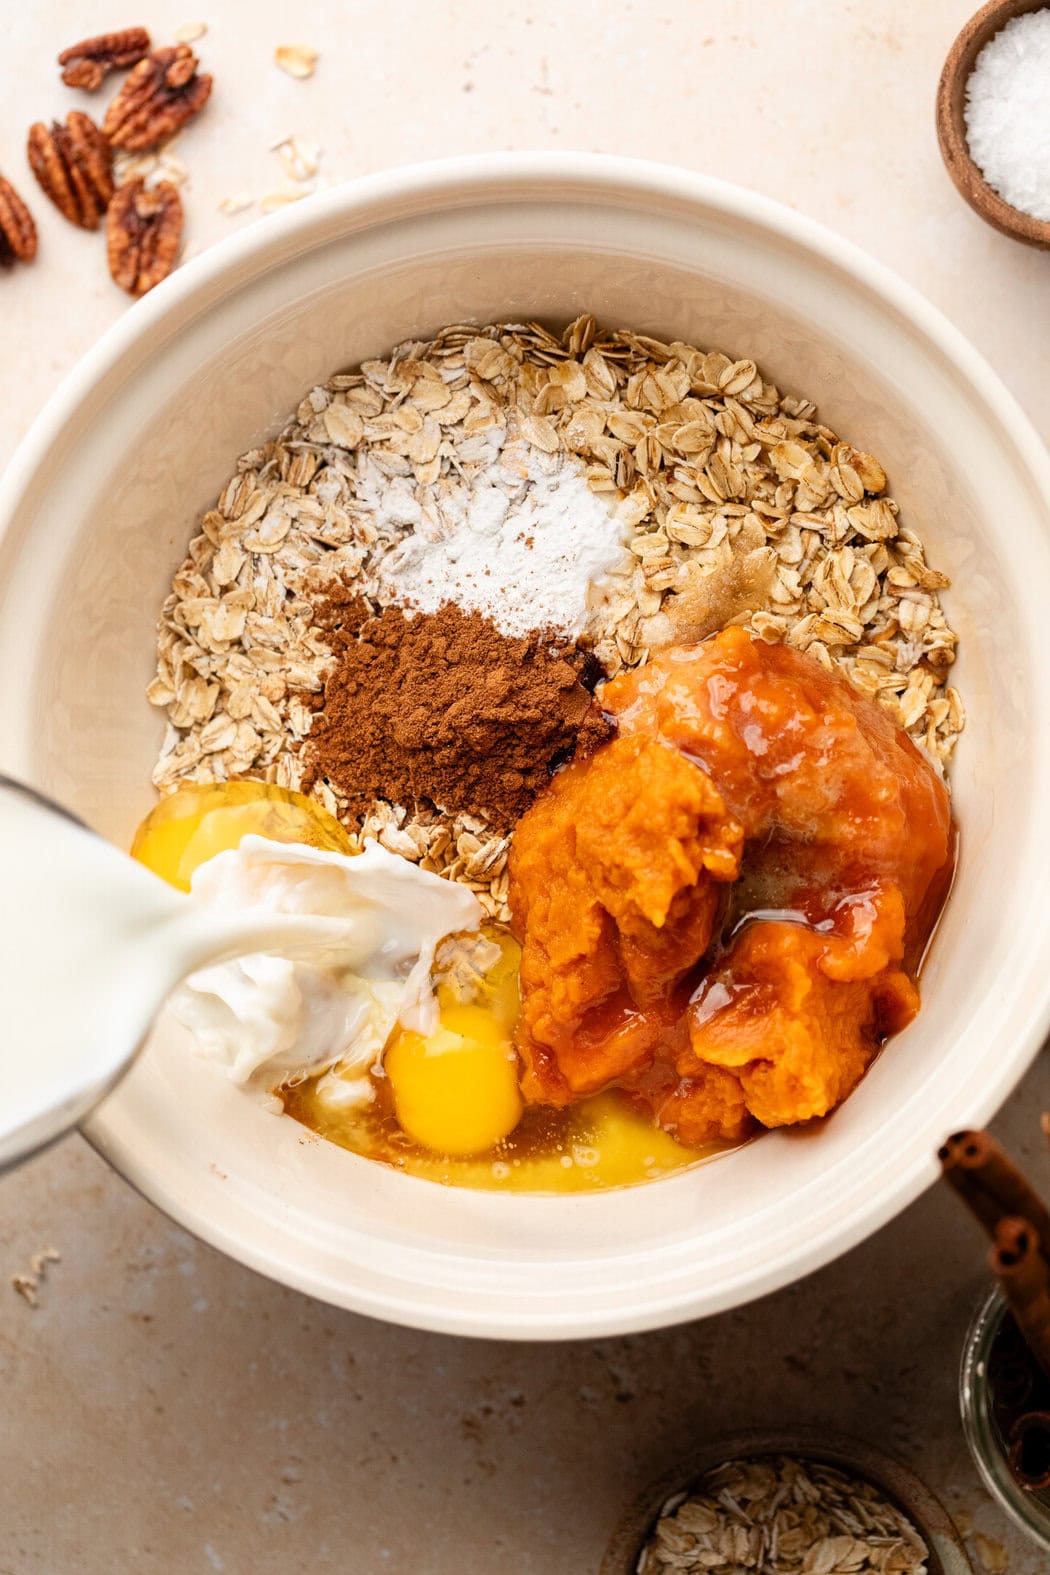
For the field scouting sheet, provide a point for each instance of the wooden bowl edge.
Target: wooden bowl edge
(965, 174)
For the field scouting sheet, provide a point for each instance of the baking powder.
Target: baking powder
(520, 541)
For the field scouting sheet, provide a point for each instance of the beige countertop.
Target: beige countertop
(167, 1411)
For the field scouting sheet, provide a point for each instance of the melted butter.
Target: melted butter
(599, 1143)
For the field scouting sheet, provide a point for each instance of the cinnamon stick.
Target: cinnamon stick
(1011, 1384)
(991, 1185)
(1030, 1450)
(1025, 1278)
(1009, 1346)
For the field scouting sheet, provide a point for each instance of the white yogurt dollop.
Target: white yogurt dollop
(265, 1019)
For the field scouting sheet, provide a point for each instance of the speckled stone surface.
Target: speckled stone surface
(165, 1411)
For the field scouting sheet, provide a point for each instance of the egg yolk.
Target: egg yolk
(455, 1090)
(202, 819)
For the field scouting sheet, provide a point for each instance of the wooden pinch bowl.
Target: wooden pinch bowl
(951, 124)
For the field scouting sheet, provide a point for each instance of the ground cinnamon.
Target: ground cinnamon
(443, 710)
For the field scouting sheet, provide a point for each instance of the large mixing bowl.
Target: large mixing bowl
(96, 511)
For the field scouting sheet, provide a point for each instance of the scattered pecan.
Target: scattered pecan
(160, 95)
(72, 164)
(17, 230)
(143, 231)
(85, 64)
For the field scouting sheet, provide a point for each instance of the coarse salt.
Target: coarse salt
(1008, 113)
(522, 541)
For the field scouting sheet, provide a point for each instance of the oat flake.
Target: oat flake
(298, 60)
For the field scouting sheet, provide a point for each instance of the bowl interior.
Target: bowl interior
(98, 513)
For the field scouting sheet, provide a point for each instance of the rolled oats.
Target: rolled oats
(777, 1515)
(738, 504)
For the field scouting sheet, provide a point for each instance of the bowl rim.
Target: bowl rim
(403, 184)
(428, 187)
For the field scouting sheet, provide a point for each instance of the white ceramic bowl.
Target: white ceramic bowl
(96, 510)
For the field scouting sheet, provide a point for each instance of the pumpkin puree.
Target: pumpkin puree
(723, 910)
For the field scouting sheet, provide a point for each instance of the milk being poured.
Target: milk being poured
(92, 943)
(84, 965)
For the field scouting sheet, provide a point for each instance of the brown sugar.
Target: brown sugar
(442, 709)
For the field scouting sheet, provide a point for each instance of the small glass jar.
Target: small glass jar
(947, 1556)
(1029, 1511)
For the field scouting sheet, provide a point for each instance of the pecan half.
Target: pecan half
(72, 164)
(85, 64)
(161, 94)
(17, 230)
(143, 231)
